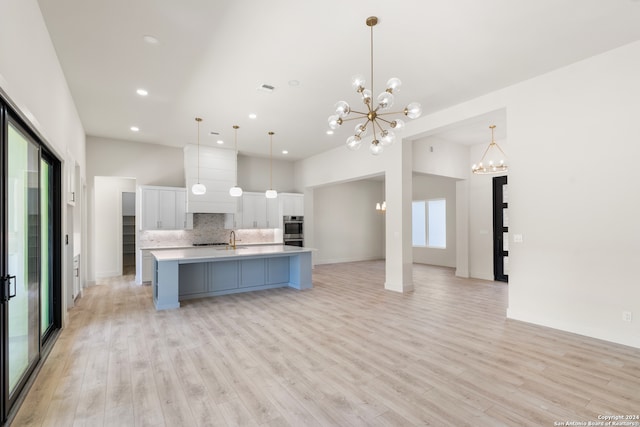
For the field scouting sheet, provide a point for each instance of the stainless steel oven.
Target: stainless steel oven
(293, 233)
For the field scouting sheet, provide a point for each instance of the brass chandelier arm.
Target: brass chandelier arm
(354, 118)
(393, 112)
(383, 120)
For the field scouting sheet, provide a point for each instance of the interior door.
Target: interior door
(500, 229)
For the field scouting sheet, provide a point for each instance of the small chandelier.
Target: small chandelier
(381, 207)
(236, 191)
(271, 193)
(493, 160)
(373, 115)
(198, 189)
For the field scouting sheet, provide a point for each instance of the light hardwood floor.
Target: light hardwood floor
(346, 353)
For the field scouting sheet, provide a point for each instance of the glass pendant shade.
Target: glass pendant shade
(271, 194)
(198, 189)
(235, 191)
(376, 111)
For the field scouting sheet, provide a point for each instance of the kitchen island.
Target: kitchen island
(186, 273)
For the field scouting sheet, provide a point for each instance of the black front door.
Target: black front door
(500, 229)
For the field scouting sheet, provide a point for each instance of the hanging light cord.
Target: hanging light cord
(198, 119)
(270, 160)
(235, 128)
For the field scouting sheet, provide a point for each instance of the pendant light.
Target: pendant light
(493, 159)
(236, 191)
(271, 193)
(198, 189)
(382, 126)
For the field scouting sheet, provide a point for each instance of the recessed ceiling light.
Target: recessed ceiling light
(294, 83)
(142, 92)
(285, 152)
(150, 39)
(220, 142)
(329, 132)
(252, 116)
(134, 128)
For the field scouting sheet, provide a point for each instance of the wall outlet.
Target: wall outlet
(627, 316)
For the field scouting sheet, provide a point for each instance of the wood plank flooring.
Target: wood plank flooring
(345, 353)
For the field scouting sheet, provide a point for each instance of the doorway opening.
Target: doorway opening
(128, 233)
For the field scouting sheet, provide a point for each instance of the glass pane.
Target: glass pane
(505, 260)
(23, 254)
(419, 223)
(437, 233)
(46, 245)
(505, 217)
(505, 242)
(505, 194)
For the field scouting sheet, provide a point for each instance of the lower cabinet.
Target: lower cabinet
(223, 277)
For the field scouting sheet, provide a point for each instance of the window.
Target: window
(419, 233)
(429, 223)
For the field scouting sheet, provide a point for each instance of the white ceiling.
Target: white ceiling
(212, 56)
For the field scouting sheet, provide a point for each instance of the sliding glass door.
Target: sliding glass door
(30, 308)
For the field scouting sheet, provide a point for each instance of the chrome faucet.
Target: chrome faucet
(232, 239)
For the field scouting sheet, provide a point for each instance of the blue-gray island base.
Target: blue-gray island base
(182, 274)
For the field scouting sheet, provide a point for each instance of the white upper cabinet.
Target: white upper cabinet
(217, 173)
(256, 211)
(163, 208)
(292, 204)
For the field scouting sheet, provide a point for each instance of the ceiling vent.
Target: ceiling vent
(266, 88)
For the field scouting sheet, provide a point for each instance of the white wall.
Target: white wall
(574, 197)
(254, 172)
(150, 164)
(107, 242)
(32, 80)
(426, 187)
(347, 225)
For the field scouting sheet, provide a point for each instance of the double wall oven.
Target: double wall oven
(293, 233)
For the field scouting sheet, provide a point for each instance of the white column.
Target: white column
(398, 190)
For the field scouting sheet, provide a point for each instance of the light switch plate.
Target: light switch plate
(517, 238)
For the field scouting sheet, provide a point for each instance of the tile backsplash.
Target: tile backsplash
(207, 228)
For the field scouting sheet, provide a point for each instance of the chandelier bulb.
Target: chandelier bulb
(354, 142)
(385, 100)
(334, 121)
(375, 147)
(358, 81)
(388, 137)
(397, 124)
(393, 85)
(342, 109)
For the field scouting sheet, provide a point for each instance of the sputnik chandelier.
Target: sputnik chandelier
(493, 159)
(373, 115)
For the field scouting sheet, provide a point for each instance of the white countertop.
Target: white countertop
(216, 253)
